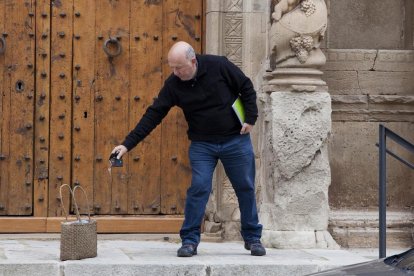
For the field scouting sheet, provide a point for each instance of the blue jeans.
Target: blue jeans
(237, 157)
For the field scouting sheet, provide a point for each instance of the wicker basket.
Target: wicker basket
(78, 238)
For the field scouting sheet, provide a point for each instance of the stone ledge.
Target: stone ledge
(369, 83)
(359, 229)
(367, 59)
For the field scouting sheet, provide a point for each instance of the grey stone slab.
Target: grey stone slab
(342, 82)
(386, 83)
(130, 269)
(361, 24)
(355, 183)
(271, 270)
(394, 60)
(365, 60)
(349, 59)
(369, 82)
(30, 268)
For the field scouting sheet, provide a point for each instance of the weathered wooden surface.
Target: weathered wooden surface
(144, 189)
(60, 108)
(17, 102)
(85, 102)
(181, 20)
(42, 108)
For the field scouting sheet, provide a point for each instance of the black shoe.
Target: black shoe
(187, 250)
(256, 248)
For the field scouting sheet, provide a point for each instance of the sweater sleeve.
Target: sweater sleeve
(241, 86)
(151, 118)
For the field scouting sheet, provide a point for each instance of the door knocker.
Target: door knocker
(112, 52)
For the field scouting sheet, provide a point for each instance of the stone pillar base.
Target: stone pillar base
(298, 239)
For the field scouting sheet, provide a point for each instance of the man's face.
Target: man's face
(183, 68)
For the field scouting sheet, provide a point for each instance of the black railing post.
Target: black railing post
(382, 191)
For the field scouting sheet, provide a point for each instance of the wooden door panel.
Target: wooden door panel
(111, 107)
(17, 107)
(60, 107)
(83, 101)
(181, 20)
(146, 80)
(42, 110)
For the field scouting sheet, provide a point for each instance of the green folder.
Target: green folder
(239, 110)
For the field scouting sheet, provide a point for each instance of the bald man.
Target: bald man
(205, 87)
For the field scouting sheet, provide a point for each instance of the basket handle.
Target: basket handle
(87, 201)
(72, 192)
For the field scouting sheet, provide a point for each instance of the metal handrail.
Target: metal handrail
(383, 134)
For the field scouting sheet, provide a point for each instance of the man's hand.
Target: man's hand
(121, 150)
(246, 128)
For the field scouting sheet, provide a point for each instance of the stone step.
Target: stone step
(142, 257)
(359, 229)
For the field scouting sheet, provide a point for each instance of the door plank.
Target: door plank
(179, 20)
(83, 136)
(42, 105)
(60, 108)
(3, 120)
(146, 80)
(20, 52)
(111, 111)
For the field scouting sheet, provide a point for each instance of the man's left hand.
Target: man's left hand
(246, 128)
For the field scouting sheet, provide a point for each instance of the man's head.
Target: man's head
(182, 60)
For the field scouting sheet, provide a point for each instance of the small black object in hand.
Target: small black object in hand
(115, 162)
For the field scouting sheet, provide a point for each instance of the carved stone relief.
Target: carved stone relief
(233, 31)
(296, 33)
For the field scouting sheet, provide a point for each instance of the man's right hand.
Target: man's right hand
(121, 150)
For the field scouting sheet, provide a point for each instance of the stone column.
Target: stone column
(294, 205)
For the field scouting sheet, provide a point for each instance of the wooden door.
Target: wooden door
(66, 102)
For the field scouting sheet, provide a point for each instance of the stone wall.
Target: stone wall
(370, 74)
(370, 78)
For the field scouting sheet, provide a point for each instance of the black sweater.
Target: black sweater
(205, 100)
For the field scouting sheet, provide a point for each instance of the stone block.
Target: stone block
(213, 6)
(262, 269)
(342, 82)
(361, 24)
(298, 239)
(301, 124)
(30, 268)
(213, 39)
(255, 6)
(349, 102)
(231, 231)
(369, 82)
(386, 83)
(133, 269)
(359, 228)
(254, 51)
(398, 61)
(368, 237)
(349, 59)
(212, 227)
(354, 166)
(372, 108)
(295, 199)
